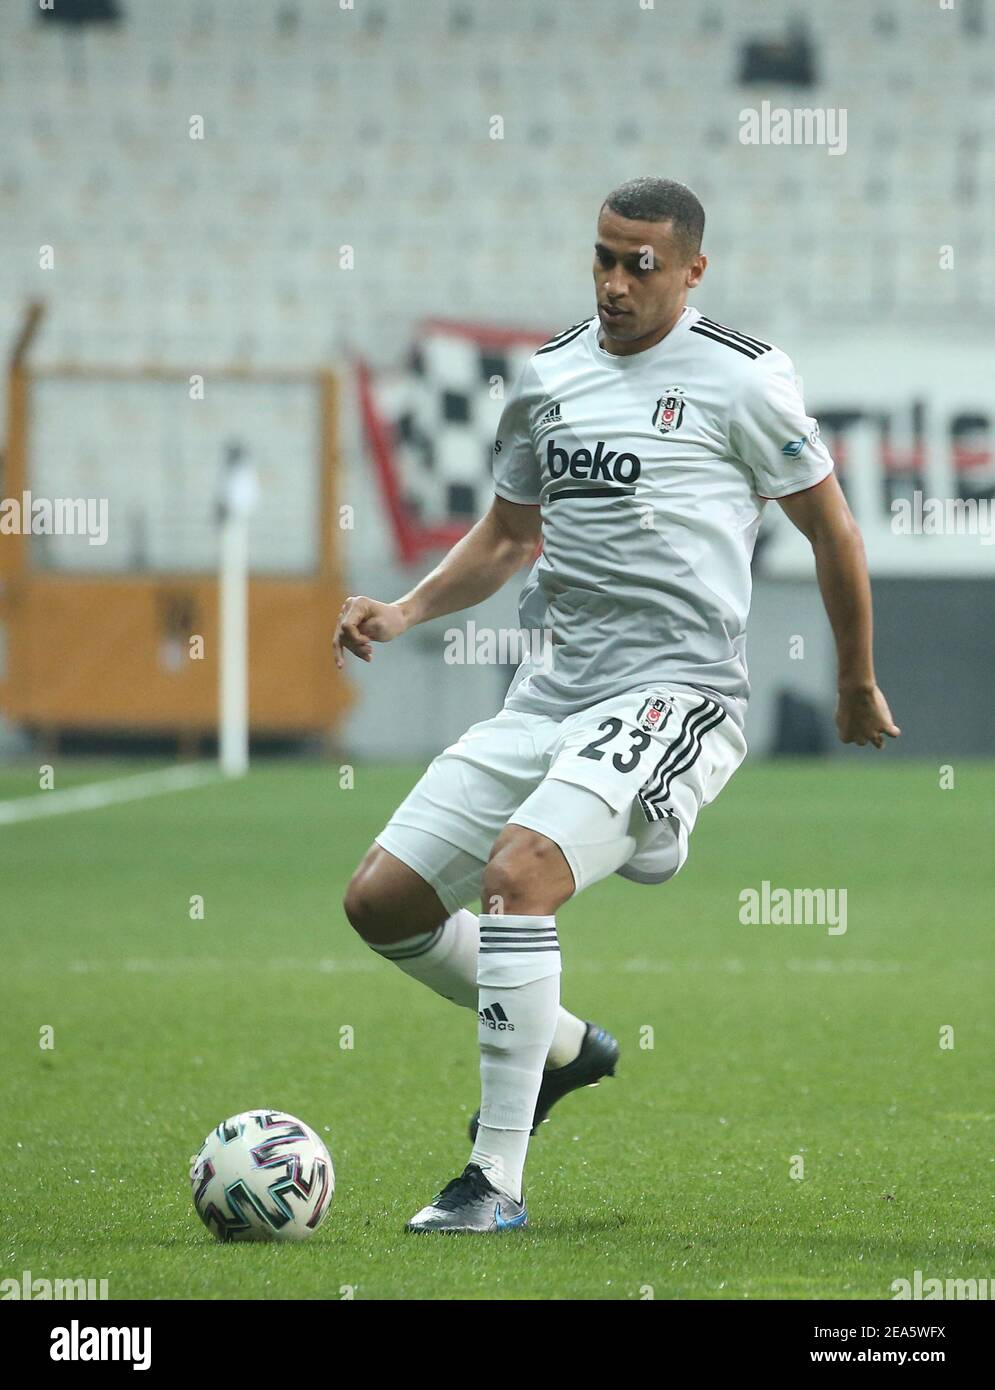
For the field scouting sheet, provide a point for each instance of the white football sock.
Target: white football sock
(446, 961)
(518, 971)
(570, 1033)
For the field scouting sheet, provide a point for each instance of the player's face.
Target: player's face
(641, 271)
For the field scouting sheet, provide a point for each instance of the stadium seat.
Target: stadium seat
(317, 135)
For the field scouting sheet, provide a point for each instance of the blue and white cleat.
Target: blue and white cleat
(597, 1059)
(470, 1204)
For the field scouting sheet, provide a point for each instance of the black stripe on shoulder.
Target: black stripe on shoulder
(746, 338)
(564, 331)
(728, 342)
(567, 336)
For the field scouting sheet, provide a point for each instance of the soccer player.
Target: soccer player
(640, 446)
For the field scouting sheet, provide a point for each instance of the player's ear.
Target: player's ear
(696, 270)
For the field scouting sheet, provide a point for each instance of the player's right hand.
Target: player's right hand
(364, 621)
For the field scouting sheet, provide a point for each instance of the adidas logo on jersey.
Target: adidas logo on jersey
(552, 416)
(495, 1017)
(604, 464)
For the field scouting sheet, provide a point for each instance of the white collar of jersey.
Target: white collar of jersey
(630, 361)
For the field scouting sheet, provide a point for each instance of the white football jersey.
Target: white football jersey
(652, 471)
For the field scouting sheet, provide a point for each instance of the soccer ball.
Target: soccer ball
(262, 1175)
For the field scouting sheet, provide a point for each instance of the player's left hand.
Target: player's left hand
(863, 716)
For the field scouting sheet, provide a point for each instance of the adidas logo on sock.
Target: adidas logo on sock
(552, 416)
(495, 1017)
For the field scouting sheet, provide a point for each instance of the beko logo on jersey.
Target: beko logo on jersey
(604, 465)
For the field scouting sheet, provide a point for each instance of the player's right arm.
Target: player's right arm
(477, 566)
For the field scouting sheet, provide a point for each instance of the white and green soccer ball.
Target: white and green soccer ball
(262, 1175)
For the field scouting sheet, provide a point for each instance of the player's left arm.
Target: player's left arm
(822, 515)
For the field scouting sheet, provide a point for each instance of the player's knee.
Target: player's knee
(524, 877)
(363, 905)
(497, 885)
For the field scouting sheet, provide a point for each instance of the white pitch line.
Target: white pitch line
(95, 795)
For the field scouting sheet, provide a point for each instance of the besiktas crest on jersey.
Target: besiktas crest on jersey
(669, 410)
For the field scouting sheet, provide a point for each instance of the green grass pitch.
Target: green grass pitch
(672, 1180)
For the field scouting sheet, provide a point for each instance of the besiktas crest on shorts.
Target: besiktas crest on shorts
(654, 714)
(669, 410)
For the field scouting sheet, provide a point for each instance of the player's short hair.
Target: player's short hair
(661, 200)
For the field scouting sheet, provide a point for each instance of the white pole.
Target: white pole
(238, 497)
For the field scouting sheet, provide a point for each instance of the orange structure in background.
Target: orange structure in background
(112, 653)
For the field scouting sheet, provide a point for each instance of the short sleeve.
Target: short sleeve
(771, 433)
(516, 468)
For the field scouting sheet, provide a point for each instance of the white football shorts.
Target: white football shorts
(617, 787)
